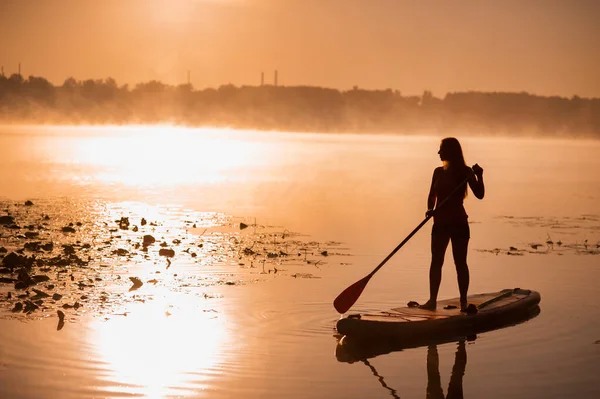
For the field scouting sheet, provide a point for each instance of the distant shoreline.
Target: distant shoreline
(35, 101)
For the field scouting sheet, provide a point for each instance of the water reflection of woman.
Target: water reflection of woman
(434, 383)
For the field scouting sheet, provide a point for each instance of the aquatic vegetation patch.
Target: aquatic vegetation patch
(64, 258)
(567, 235)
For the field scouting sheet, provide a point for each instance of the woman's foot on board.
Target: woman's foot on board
(468, 309)
(429, 305)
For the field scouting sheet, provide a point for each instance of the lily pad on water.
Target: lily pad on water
(166, 252)
(137, 283)
(61, 320)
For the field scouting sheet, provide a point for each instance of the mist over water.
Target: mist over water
(242, 319)
(296, 108)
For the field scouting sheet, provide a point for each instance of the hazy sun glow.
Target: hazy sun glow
(145, 156)
(170, 13)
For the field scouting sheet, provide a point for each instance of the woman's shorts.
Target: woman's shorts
(452, 230)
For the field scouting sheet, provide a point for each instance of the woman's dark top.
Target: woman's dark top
(452, 213)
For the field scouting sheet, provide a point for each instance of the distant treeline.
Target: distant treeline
(294, 108)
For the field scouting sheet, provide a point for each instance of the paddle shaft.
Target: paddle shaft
(412, 233)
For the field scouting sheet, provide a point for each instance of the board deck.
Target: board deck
(494, 308)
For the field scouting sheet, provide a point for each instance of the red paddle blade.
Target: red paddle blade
(346, 299)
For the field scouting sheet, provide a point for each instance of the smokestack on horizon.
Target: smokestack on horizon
(262, 78)
(275, 78)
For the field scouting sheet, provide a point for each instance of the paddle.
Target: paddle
(349, 296)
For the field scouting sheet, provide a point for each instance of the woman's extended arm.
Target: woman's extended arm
(476, 182)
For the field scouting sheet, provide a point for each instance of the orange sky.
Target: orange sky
(546, 47)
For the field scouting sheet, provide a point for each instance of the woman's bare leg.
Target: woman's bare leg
(460, 247)
(439, 244)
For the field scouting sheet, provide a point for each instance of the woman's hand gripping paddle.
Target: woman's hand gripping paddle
(349, 296)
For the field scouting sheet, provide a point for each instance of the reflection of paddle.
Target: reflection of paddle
(381, 381)
(349, 296)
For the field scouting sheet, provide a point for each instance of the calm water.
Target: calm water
(216, 325)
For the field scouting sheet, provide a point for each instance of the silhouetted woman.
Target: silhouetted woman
(450, 221)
